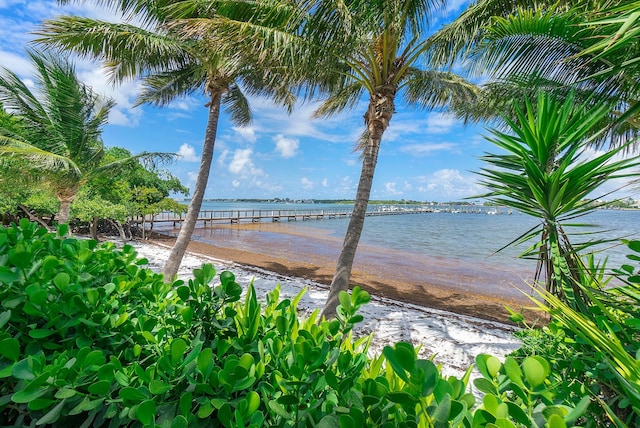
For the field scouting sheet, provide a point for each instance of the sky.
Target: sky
(424, 156)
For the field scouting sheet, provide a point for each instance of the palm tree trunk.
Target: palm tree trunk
(65, 197)
(378, 116)
(170, 268)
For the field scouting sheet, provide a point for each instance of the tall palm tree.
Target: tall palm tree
(344, 51)
(171, 64)
(60, 128)
(382, 61)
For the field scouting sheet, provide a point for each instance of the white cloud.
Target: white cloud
(390, 189)
(440, 123)
(287, 147)
(325, 182)
(425, 149)
(124, 94)
(17, 63)
(306, 183)
(247, 133)
(187, 153)
(242, 164)
(235, 184)
(449, 184)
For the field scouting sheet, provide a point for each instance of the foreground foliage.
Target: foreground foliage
(90, 338)
(596, 352)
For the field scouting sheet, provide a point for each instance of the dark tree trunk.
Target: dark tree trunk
(170, 268)
(378, 115)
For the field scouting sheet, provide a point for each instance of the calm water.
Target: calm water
(465, 237)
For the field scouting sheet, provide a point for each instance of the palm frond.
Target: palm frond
(128, 50)
(431, 89)
(163, 87)
(237, 105)
(345, 98)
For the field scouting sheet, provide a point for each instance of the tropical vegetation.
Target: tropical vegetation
(56, 141)
(585, 48)
(89, 337)
(545, 173)
(171, 64)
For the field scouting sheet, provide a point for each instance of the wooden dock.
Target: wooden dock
(208, 217)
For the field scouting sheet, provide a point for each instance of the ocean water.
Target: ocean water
(463, 237)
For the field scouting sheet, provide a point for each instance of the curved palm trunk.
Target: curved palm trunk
(170, 268)
(378, 115)
(65, 197)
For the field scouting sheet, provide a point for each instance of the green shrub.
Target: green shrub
(597, 352)
(88, 337)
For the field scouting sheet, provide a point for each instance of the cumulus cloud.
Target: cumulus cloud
(390, 189)
(306, 183)
(325, 182)
(242, 164)
(247, 133)
(440, 123)
(449, 184)
(235, 184)
(287, 147)
(187, 153)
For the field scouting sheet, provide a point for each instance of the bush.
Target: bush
(596, 353)
(88, 337)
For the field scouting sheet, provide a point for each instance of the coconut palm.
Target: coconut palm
(545, 174)
(381, 61)
(171, 64)
(346, 51)
(59, 137)
(565, 47)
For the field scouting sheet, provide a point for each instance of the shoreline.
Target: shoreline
(405, 281)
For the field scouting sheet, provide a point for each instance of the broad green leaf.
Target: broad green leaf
(158, 387)
(41, 333)
(10, 348)
(22, 370)
(179, 422)
(27, 395)
(534, 371)
(132, 394)
(61, 281)
(146, 411)
(53, 414)
(493, 366)
(178, 347)
(100, 388)
(332, 421)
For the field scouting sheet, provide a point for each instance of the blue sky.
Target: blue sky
(424, 156)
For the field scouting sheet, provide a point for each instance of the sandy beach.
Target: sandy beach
(453, 340)
(470, 289)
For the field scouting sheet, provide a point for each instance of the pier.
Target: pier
(210, 217)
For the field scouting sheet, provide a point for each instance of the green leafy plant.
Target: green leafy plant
(89, 337)
(542, 174)
(595, 353)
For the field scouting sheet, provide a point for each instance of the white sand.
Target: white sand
(454, 339)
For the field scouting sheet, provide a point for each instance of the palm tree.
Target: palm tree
(171, 64)
(60, 128)
(576, 47)
(384, 47)
(544, 174)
